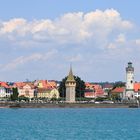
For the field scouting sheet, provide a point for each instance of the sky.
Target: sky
(39, 39)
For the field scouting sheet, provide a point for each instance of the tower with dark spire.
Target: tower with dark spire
(70, 87)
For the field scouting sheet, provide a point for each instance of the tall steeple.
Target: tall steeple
(70, 77)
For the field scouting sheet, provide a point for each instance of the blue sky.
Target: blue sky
(38, 9)
(40, 38)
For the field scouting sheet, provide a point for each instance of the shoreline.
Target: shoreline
(65, 105)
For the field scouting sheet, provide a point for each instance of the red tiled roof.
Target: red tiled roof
(87, 84)
(30, 84)
(52, 83)
(4, 84)
(19, 84)
(22, 84)
(118, 90)
(136, 87)
(48, 84)
(97, 90)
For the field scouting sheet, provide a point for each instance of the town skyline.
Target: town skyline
(33, 80)
(69, 69)
(98, 38)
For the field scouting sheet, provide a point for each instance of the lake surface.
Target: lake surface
(70, 124)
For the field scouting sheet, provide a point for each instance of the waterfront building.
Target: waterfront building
(5, 90)
(107, 88)
(25, 89)
(47, 93)
(118, 92)
(93, 90)
(129, 91)
(70, 87)
(47, 89)
(137, 90)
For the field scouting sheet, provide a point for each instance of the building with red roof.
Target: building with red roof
(18, 84)
(47, 89)
(46, 84)
(93, 90)
(26, 89)
(118, 91)
(136, 87)
(5, 90)
(38, 88)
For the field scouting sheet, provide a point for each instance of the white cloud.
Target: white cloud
(121, 38)
(69, 28)
(21, 60)
(13, 25)
(99, 41)
(137, 41)
(75, 58)
(111, 46)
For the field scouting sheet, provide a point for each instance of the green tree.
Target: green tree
(14, 96)
(118, 84)
(62, 88)
(116, 97)
(80, 87)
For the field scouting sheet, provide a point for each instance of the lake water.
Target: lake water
(70, 124)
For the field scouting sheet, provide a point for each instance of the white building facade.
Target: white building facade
(4, 92)
(129, 91)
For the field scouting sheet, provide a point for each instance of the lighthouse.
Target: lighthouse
(70, 87)
(129, 93)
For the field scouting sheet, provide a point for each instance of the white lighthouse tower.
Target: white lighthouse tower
(129, 94)
(70, 87)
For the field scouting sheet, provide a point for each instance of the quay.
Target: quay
(63, 105)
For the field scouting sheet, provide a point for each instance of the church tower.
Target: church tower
(70, 87)
(129, 81)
